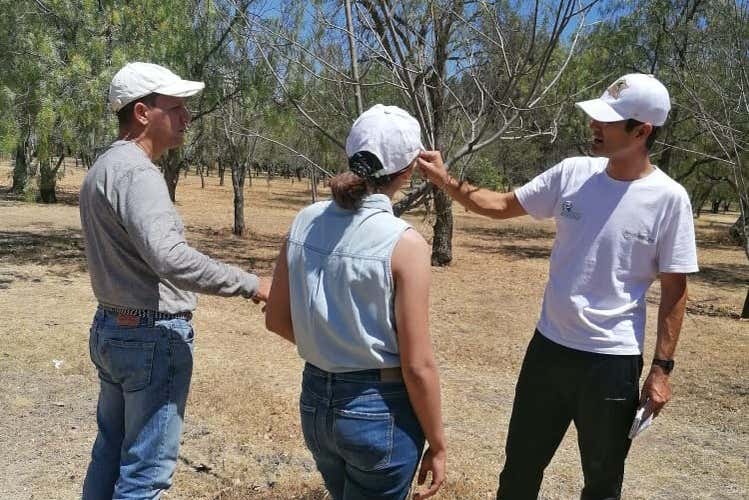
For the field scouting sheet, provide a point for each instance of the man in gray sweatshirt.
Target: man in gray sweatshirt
(145, 277)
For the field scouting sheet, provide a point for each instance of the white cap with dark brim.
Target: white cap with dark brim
(389, 133)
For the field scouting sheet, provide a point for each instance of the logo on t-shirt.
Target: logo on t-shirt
(568, 210)
(642, 236)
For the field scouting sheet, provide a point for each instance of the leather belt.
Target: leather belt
(145, 313)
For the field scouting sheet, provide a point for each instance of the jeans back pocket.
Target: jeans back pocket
(364, 440)
(129, 362)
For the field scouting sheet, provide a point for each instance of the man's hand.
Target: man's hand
(433, 461)
(657, 389)
(431, 166)
(263, 289)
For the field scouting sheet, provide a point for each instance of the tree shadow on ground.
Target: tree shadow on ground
(723, 274)
(7, 195)
(508, 241)
(513, 252)
(513, 232)
(68, 197)
(716, 238)
(294, 200)
(62, 246)
(254, 251)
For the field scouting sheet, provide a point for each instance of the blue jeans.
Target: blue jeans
(144, 369)
(362, 432)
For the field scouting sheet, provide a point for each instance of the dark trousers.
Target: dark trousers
(557, 385)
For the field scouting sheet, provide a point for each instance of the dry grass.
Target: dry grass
(242, 438)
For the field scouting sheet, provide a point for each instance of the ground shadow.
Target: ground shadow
(715, 235)
(513, 252)
(9, 196)
(294, 200)
(49, 247)
(67, 197)
(65, 248)
(254, 251)
(508, 232)
(509, 241)
(723, 274)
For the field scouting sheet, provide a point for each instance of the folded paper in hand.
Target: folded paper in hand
(643, 419)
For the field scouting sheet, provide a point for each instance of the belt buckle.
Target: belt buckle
(127, 319)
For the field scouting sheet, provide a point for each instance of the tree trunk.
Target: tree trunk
(237, 182)
(20, 169)
(221, 171)
(354, 62)
(313, 184)
(171, 165)
(737, 232)
(48, 181)
(442, 251)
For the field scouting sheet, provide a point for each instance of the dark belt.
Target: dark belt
(391, 374)
(145, 313)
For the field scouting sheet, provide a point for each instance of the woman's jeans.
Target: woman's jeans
(362, 433)
(144, 369)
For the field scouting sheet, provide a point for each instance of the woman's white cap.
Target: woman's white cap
(389, 133)
(138, 79)
(636, 96)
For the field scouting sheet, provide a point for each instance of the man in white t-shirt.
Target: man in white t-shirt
(621, 223)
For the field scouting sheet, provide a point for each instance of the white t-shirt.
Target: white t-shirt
(613, 238)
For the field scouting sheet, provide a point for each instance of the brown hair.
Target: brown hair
(125, 114)
(632, 123)
(349, 190)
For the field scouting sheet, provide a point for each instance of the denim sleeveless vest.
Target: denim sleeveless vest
(341, 285)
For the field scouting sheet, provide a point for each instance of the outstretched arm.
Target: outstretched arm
(478, 200)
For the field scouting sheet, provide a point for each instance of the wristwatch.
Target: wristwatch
(666, 364)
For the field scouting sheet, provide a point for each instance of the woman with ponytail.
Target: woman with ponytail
(351, 289)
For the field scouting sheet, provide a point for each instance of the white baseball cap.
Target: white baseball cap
(389, 133)
(636, 96)
(138, 79)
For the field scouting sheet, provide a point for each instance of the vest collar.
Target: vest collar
(377, 201)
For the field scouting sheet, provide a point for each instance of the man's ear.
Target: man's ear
(644, 130)
(140, 113)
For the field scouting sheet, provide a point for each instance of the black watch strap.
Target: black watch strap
(666, 364)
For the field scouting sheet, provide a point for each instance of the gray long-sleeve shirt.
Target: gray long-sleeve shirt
(135, 245)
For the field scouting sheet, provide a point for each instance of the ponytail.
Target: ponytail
(349, 190)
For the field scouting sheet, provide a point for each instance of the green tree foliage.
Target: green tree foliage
(492, 82)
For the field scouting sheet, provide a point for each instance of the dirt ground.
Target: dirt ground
(242, 438)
